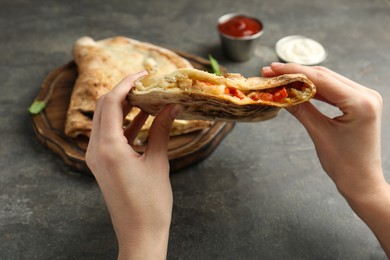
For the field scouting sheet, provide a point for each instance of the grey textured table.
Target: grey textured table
(261, 195)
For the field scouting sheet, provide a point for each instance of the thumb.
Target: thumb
(159, 131)
(309, 116)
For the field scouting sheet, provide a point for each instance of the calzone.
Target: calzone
(102, 64)
(231, 97)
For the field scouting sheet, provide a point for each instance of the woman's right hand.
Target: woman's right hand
(349, 145)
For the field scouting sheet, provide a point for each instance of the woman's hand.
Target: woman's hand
(136, 187)
(348, 146)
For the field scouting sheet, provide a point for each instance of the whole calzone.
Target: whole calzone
(102, 64)
(230, 97)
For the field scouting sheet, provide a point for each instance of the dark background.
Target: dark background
(262, 194)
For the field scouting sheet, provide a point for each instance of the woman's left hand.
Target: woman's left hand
(136, 187)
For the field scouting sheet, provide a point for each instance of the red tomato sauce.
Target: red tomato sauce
(240, 26)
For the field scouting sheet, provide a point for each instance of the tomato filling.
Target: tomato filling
(234, 93)
(275, 95)
(278, 94)
(265, 96)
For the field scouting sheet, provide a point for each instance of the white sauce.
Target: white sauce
(301, 50)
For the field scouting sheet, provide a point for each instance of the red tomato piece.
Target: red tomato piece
(262, 96)
(234, 92)
(280, 94)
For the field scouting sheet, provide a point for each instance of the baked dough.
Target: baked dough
(103, 64)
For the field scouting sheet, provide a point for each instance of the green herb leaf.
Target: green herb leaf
(214, 66)
(37, 107)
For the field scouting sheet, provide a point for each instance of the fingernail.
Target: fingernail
(266, 69)
(277, 64)
(142, 73)
(176, 110)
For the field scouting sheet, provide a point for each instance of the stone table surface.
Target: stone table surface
(262, 194)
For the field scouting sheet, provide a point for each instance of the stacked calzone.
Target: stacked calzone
(103, 64)
(231, 97)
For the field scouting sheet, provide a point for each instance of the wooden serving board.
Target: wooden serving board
(49, 124)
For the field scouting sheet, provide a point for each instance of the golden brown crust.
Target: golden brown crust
(102, 64)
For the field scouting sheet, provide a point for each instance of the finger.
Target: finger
(310, 117)
(317, 96)
(135, 126)
(329, 88)
(127, 82)
(113, 114)
(93, 142)
(126, 108)
(159, 132)
(96, 121)
(340, 78)
(267, 72)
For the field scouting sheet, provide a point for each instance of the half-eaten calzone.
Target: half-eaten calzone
(231, 97)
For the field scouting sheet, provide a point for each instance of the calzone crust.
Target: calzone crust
(102, 64)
